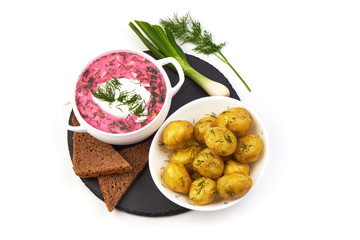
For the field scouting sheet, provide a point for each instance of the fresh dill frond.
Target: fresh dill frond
(188, 30)
(105, 93)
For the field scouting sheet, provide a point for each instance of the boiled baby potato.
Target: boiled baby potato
(235, 166)
(221, 140)
(233, 185)
(202, 191)
(208, 164)
(177, 178)
(248, 149)
(235, 119)
(202, 126)
(177, 133)
(187, 154)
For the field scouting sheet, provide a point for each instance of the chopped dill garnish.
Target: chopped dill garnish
(135, 103)
(229, 192)
(244, 147)
(199, 162)
(200, 186)
(228, 138)
(105, 93)
(187, 164)
(227, 124)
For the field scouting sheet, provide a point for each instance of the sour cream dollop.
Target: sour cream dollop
(123, 105)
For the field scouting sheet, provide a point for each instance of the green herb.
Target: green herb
(229, 192)
(153, 70)
(228, 138)
(181, 179)
(219, 140)
(243, 147)
(122, 125)
(139, 108)
(200, 186)
(211, 115)
(161, 43)
(199, 162)
(85, 73)
(227, 124)
(105, 93)
(187, 164)
(188, 30)
(131, 99)
(91, 80)
(211, 154)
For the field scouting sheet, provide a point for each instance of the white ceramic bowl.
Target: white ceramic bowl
(159, 156)
(144, 132)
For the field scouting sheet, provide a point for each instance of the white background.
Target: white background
(301, 59)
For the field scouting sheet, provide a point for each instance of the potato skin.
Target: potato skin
(208, 164)
(187, 154)
(177, 133)
(177, 178)
(237, 120)
(222, 141)
(233, 185)
(203, 191)
(235, 166)
(248, 149)
(202, 126)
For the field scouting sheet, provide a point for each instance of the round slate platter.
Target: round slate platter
(143, 198)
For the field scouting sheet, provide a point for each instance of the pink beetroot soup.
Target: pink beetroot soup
(120, 92)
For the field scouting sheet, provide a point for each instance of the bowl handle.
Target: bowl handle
(179, 69)
(67, 125)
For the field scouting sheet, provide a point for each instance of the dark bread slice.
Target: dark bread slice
(93, 158)
(113, 187)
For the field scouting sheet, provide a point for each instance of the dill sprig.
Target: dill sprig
(105, 93)
(188, 30)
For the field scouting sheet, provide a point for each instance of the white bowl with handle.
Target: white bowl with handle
(145, 131)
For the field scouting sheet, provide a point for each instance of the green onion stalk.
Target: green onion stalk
(161, 42)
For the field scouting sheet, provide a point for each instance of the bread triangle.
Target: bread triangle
(113, 187)
(93, 158)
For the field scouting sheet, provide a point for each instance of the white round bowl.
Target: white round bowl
(144, 132)
(159, 156)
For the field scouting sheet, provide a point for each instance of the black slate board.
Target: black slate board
(143, 198)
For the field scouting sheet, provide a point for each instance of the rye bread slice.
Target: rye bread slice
(113, 187)
(93, 158)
